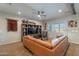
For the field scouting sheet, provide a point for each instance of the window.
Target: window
(49, 27)
(58, 28)
(63, 29)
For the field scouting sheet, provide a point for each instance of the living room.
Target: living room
(53, 25)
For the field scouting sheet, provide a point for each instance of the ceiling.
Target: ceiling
(29, 10)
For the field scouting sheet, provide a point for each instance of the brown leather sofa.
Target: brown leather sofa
(38, 47)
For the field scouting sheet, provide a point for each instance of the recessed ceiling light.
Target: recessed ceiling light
(19, 12)
(59, 10)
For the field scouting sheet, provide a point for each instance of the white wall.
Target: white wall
(10, 37)
(73, 33)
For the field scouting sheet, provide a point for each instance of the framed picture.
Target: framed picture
(12, 25)
(72, 23)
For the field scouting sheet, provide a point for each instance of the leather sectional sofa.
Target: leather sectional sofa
(55, 47)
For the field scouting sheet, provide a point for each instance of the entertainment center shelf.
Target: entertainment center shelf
(31, 28)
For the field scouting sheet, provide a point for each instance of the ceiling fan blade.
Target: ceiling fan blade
(42, 12)
(38, 12)
(43, 15)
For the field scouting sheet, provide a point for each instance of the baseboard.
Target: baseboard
(10, 42)
(74, 42)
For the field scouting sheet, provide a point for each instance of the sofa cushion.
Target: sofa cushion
(57, 41)
(54, 42)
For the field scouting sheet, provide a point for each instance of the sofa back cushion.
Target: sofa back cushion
(39, 41)
(51, 45)
(44, 43)
(28, 37)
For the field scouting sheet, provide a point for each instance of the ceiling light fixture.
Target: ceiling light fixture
(38, 16)
(59, 10)
(19, 12)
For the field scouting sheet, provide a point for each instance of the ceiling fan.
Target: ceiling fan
(41, 13)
